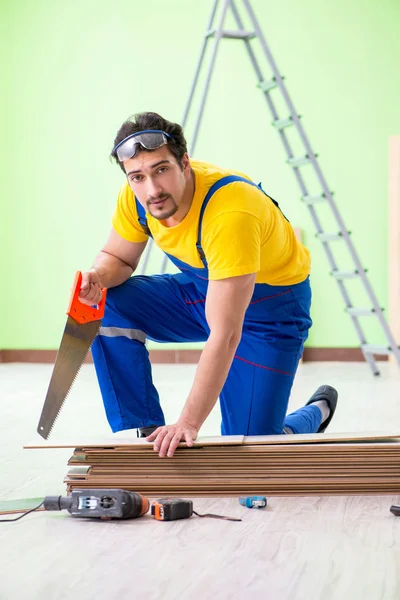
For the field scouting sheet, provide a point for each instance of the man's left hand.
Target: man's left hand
(167, 438)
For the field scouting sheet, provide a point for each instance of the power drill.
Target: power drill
(103, 504)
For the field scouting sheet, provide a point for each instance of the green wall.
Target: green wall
(73, 71)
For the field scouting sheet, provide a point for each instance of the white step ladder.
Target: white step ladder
(270, 86)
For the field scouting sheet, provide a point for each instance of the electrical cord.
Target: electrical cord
(215, 516)
(23, 515)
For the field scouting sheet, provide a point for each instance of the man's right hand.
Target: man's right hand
(90, 288)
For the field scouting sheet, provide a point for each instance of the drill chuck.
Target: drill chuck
(57, 503)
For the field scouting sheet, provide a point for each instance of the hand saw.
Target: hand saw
(82, 326)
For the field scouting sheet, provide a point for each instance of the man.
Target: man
(243, 289)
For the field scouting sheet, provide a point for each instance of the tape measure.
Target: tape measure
(171, 509)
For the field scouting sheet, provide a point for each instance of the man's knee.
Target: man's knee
(119, 294)
(122, 307)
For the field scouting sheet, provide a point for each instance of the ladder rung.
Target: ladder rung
(299, 161)
(283, 123)
(329, 237)
(233, 34)
(371, 349)
(345, 274)
(265, 86)
(309, 199)
(361, 312)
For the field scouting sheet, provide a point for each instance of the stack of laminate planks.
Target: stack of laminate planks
(286, 465)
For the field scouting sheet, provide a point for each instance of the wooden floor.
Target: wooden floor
(299, 548)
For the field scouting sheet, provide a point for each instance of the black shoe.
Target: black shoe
(330, 395)
(143, 432)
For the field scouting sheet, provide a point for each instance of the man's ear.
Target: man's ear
(186, 164)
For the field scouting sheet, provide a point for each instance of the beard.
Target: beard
(166, 210)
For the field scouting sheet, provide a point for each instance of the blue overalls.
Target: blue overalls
(171, 308)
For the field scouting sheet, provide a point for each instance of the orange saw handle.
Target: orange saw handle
(83, 313)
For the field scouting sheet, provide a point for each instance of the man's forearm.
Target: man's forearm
(211, 374)
(112, 270)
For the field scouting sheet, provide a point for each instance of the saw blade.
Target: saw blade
(75, 345)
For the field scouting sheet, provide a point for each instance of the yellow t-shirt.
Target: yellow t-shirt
(242, 232)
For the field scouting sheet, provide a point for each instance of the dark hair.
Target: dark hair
(151, 120)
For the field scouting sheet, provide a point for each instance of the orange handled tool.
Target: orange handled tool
(83, 313)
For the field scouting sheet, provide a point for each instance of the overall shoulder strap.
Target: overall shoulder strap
(142, 218)
(214, 188)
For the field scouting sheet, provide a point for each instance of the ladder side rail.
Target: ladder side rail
(217, 39)
(370, 360)
(199, 65)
